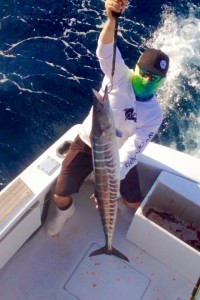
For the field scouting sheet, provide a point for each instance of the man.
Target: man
(136, 113)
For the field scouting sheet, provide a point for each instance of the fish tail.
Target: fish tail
(113, 251)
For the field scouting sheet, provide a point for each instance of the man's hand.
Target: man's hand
(117, 6)
(95, 200)
(107, 33)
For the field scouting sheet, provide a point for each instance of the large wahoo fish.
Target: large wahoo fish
(106, 169)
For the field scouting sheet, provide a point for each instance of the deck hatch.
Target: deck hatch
(17, 193)
(106, 277)
(49, 165)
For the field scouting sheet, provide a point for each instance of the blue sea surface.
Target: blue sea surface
(48, 68)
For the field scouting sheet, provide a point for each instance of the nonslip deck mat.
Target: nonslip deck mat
(106, 277)
(14, 196)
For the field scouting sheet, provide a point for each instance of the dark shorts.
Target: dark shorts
(77, 165)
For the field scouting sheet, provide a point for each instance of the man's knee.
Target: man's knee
(133, 205)
(61, 201)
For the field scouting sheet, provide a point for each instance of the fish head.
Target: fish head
(102, 113)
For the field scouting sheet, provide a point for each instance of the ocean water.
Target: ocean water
(48, 68)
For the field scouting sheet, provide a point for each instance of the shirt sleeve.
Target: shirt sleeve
(132, 148)
(105, 53)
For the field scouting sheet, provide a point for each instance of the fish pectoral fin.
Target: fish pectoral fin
(113, 251)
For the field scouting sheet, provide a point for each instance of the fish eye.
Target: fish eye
(99, 107)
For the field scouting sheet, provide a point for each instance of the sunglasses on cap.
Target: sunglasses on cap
(147, 74)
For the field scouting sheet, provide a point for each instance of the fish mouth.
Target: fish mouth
(98, 97)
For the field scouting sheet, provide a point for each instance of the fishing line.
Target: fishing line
(116, 16)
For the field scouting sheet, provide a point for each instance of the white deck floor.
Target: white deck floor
(59, 268)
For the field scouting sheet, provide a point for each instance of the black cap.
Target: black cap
(155, 61)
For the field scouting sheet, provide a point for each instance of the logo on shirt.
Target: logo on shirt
(130, 114)
(163, 64)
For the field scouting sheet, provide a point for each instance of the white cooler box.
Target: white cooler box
(167, 224)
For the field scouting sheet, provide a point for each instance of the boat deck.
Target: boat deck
(60, 268)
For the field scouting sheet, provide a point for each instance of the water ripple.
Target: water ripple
(48, 68)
